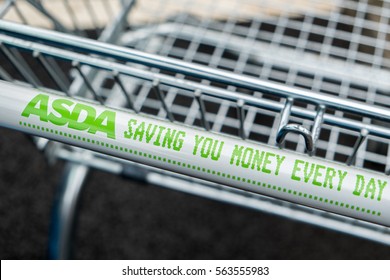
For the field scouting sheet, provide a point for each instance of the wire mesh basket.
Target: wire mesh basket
(252, 70)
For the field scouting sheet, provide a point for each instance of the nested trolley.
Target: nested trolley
(309, 77)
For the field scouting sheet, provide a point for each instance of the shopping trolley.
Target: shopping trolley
(309, 78)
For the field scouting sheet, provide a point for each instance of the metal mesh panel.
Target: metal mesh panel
(337, 49)
(341, 52)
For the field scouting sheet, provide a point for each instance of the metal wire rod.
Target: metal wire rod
(192, 86)
(284, 119)
(5, 7)
(4, 75)
(195, 70)
(57, 25)
(128, 98)
(317, 126)
(160, 95)
(285, 128)
(59, 81)
(241, 117)
(76, 65)
(19, 13)
(202, 109)
(20, 65)
(362, 137)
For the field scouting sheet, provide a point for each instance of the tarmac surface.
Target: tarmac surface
(122, 219)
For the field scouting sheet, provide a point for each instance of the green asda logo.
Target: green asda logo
(75, 115)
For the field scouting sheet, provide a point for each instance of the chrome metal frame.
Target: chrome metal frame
(145, 78)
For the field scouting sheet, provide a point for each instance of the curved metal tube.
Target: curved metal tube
(65, 211)
(299, 129)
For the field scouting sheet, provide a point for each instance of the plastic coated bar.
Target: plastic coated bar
(209, 156)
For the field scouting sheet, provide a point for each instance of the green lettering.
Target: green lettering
(359, 185)
(149, 134)
(206, 148)
(296, 169)
(79, 112)
(139, 131)
(179, 140)
(37, 106)
(329, 175)
(247, 157)
(168, 138)
(215, 155)
(279, 161)
(307, 175)
(318, 174)
(342, 175)
(129, 132)
(157, 141)
(370, 188)
(266, 162)
(257, 160)
(236, 154)
(64, 113)
(198, 140)
(105, 123)
(381, 186)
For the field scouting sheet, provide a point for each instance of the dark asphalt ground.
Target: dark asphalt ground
(121, 219)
